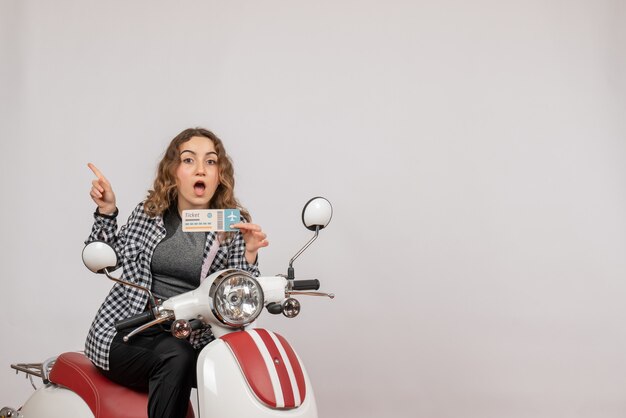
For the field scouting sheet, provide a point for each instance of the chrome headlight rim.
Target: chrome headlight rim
(225, 275)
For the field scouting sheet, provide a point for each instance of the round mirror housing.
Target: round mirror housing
(98, 255)
(317, 213)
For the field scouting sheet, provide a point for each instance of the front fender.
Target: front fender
(224, 389)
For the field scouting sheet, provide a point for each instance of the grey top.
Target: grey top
(177, 260)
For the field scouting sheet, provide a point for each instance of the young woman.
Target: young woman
(195, 173)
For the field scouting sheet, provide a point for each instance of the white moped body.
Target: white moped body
(55, 401)
(223, 391)
(243, 373)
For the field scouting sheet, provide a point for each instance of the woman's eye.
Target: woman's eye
(211, 162)
(188, 160)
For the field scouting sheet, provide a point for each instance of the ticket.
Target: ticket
(210, 220)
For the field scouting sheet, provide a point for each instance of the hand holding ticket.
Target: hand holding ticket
(210, 220)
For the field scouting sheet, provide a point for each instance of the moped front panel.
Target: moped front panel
(224, 392)
(270, 367)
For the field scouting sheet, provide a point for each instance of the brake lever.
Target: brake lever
(164, 316)
(298, 292)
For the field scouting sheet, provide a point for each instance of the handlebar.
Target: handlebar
(134, 321)
(155, 316)
(313, 284)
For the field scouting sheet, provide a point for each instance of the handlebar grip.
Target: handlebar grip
(313, 284)
(134, 321)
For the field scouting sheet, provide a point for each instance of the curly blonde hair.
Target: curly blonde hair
(165, 193)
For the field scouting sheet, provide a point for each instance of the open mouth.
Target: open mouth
(199, 187)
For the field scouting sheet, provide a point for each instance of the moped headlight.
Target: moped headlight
(237, 298)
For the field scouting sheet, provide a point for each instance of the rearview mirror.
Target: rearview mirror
(98, 256)
(317, 213)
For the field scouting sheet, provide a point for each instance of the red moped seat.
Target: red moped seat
(105, 398)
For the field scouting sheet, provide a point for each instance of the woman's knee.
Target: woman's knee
(176, 357)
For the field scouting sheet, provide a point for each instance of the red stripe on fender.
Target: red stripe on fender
(279, 363)
(295, 365)
(252, 364)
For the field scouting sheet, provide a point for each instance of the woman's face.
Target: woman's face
(197, 175)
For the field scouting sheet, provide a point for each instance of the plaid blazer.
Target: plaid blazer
(135, 243)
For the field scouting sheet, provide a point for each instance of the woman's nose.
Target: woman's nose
(200, 169)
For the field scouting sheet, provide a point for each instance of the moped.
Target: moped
(245, 372)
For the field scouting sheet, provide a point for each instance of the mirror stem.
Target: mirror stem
(290, 271)
(151, 298)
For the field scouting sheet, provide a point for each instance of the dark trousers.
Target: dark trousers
(156, 362)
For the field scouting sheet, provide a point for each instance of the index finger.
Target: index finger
(95, 170)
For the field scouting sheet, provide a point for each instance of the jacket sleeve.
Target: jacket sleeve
(105, 229)
(237, 256)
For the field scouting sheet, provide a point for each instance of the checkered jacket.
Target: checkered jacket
(135, 244)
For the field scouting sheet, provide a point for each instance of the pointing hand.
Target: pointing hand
(101, 192)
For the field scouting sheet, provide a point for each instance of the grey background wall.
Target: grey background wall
(474, 153)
